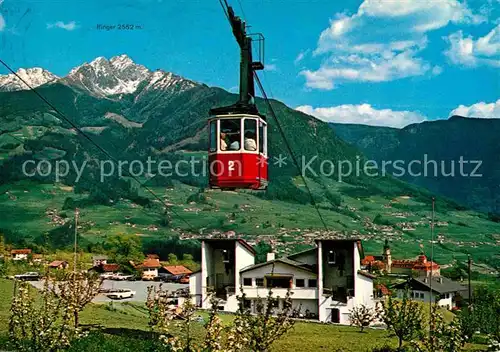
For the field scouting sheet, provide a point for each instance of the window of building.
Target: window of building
(259, 282)
(247, 304)
(300, 283)
(250, 135)
(331, 257)
(247, 281)
(225, 256)
(422, 295)
(278, 282)
(313, 283)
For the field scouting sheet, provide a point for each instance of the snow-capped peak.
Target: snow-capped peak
(102, 77)
(34, 77)
(121, 62)
(108, 77)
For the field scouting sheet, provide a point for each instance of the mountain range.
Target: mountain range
(441, 144)
(134, 113)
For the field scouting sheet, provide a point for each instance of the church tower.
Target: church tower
(387, 257)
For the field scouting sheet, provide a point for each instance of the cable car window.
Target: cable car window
(213, 136)
(230, 134)
(250, 135)
(263, 138)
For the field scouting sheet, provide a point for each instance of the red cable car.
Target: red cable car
(237, 151)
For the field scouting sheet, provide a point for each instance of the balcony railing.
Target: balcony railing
(340, 294)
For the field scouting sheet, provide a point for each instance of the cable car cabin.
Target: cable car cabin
(237, 152)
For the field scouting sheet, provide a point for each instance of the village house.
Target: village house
(37, 258)
(325, 281)
(58, 264)
(438, 289)
(20, 254)
(175, 270)
(98, 260)
(150, 268)
(420, 266)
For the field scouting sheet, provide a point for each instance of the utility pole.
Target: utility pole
(469, 265)
(431, 320)
(77, 213)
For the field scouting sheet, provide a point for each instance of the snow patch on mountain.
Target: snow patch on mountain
(34, 77)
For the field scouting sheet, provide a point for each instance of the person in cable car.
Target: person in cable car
(235, 144)
(250, 143)
(223, 144)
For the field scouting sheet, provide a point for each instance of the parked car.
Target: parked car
(176, 278)
(121, 293)
(121, 277)
(29, 276)
(107, 276)
(184, 279)
(165, 277)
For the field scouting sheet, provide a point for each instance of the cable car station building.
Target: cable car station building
(325, 281)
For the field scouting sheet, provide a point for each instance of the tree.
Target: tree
(161, 316)
(123, 248)
(442, 337)
(486, 310)
(405, 317)
(172, 259)
(76, 290)
(255, 332)
(261, 250)
(214, 328)
(362, 316)
(267, 325)
(43, 325)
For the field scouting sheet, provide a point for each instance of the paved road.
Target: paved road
(140, 287)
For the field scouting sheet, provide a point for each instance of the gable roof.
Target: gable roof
(110, 267)
(285, 261)
(440, 284)
(177, 269)
(58, 263)
(151, 263)
(294, 255)
(20, 251)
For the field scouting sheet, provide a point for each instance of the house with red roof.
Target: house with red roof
(175, 270)
(58, 264)
(20, 254)
(420, 266)
(150, 268)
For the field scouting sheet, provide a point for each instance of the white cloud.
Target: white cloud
(363, 114)
(66, 26)
(270, 67)
(469, 52)
(382, 41)
(481, 110)
(386, 66)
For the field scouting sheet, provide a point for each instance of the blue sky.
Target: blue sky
(380, 62)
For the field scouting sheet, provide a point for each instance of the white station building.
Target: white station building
(325, 281)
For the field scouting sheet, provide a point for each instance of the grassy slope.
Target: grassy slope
(125, 323)
(252, 216)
